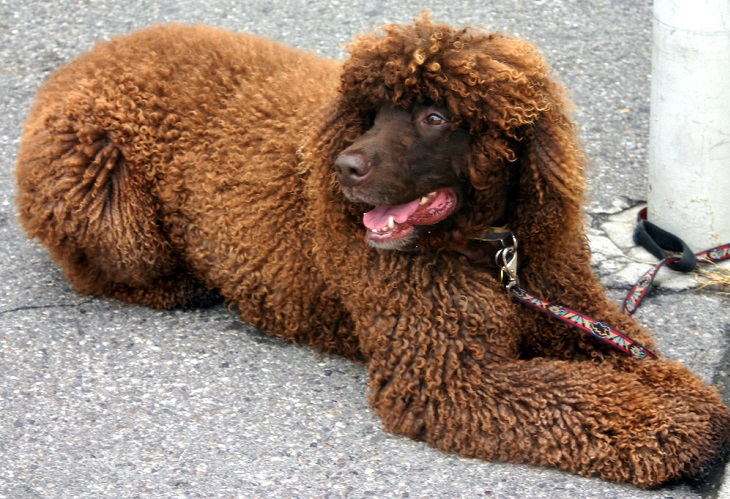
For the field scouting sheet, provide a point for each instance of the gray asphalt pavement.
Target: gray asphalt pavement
(99, 399)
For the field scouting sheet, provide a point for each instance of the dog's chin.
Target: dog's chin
(404, 238)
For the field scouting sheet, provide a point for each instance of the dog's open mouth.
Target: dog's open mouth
(388, 224)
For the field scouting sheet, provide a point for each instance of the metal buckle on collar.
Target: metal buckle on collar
(507, 261)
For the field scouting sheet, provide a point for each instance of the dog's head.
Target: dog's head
(440, 133)
(409, 168)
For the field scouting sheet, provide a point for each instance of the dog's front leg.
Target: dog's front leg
(431, 382)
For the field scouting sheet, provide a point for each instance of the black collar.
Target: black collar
(494, 234)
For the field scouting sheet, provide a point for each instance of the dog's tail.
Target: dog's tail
(93, 207)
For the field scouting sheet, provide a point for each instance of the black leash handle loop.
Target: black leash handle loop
(658, 241)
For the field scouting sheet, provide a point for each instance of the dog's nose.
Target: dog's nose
(353, 168)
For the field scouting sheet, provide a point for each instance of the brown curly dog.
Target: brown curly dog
(180, 160)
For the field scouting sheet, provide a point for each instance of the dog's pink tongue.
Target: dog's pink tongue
(380, 216)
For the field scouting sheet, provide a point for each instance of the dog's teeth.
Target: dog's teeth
(374, 230)
(391, 222)
(424, 200)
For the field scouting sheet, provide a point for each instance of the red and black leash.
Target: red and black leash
(507, 261)
(656, 240)
(660, 243)
(595, 328)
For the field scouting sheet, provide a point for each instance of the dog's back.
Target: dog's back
(137, 147)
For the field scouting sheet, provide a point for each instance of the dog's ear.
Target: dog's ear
(549, 184)
(526, 134)
(526, 148)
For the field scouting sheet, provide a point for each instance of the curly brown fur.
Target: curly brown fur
(181, 159)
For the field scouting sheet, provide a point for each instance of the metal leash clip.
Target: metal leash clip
(507, 262)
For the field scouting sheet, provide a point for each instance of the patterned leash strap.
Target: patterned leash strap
(643, 285)
(587, 324)
(507, 261)
(659, 242)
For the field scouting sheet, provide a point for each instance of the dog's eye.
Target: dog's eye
(435, 119)
(368, 120)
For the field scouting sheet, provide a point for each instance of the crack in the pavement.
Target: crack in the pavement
(25, 308)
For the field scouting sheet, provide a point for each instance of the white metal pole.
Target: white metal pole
(689, 145)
